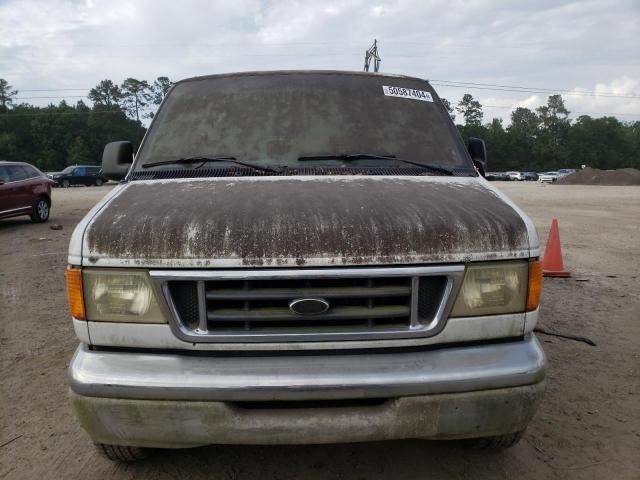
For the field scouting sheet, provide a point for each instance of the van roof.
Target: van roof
(297, 72)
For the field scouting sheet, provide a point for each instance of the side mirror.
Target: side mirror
(117, 159)
(478, 152)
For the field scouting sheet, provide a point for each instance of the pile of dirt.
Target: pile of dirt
(593, 176)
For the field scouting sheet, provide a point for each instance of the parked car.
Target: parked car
(303, 275)
(493, 176)
(24, 190)
(79, 175)
(515, 176)
(563, 172)
(548, 177)
(530, 176)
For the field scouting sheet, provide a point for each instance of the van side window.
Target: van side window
(79, 172)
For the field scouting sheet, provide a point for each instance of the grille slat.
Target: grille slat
(283, 293)
(337, 313)
(233, 307)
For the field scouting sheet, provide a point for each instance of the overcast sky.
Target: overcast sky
(547, 44)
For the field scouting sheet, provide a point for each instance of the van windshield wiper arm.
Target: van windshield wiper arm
(202, 160)
(370, 156)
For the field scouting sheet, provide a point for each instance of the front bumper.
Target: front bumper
(169, 400)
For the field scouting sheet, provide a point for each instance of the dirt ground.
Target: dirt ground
(588, 425)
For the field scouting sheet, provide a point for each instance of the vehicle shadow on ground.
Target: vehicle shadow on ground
(26, 224)
(16, 222)
(376, 460)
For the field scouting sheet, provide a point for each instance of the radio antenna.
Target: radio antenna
(372, 53)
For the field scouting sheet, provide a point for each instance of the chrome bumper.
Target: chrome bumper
(180, 424)
(174, 401)
(158, 376)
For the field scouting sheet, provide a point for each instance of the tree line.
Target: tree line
(55, 136)
(546, 139)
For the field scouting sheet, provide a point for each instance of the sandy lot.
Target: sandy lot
(588, 426)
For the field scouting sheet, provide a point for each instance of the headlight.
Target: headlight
(492, 288)
(120, 296)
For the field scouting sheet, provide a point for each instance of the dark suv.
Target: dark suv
(78, 175)
(24, 190)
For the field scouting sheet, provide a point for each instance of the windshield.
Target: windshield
(273, 119)
(68, 169)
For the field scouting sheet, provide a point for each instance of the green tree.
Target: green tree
(7, 92)
(524, 122)
(8, 147)
(601, 143)
(522, 142)
(554, 118)
(82, 107)
(497, 141)
(553, 132)
(54, 136)
(106, 94)
(554, 111)
(136, 96)
(159, 90)
(160, 87)
(471, 110)
(632, 140)
(449, 107)
(78, 152)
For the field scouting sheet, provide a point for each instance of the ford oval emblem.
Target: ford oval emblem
(309, 306)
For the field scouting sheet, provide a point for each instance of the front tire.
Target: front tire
(122, 453)
(41, 210)
(499, 442)
(66, 183)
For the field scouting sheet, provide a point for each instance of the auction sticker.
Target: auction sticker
(407, 93)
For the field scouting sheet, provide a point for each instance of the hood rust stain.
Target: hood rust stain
(284, 221)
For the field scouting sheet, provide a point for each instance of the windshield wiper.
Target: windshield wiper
(371, 156)
(202, 160)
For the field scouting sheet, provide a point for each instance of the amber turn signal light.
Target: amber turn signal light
(74, 293)
(535, 285)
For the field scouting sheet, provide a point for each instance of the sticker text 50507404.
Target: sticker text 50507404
(407, 93)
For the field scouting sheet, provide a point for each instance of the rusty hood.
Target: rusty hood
(304, 221)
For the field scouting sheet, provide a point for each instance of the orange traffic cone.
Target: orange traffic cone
(552, 265)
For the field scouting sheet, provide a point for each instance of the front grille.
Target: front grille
(362, 303)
